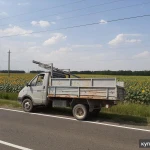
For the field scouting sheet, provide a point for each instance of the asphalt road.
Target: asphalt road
(37, 132)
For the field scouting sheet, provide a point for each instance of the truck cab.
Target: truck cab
(35, 89)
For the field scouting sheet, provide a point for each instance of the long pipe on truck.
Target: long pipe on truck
(53, 69)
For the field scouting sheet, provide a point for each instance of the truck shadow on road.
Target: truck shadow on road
(102, 117)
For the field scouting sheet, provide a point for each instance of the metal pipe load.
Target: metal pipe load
(55, 72)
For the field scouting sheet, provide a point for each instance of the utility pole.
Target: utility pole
(9, 63)
(51, 70)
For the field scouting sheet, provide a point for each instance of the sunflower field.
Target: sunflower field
(14, 83)
(137, 87)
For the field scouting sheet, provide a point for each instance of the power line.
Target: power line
(42, 9)
(105, 11)
(108, 10)
(128, 18)
(78, 26)
(60, 13)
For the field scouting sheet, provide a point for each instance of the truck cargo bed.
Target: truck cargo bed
(99, 89)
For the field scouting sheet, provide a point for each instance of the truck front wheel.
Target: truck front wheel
(80, 111)
(27, 105)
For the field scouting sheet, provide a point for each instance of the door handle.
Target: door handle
(43, 87)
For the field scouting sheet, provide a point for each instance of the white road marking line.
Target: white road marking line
(38, 114)
(13, 145)
(66, 118)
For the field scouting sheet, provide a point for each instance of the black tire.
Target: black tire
(95, 112)
(80, 111)
(27, 105)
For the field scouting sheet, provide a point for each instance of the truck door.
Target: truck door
(37, 89)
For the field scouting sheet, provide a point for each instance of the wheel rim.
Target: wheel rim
(79, 112)
(27, 105)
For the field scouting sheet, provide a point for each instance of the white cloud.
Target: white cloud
(53, 22)
(144, 54)
(23, 4)
(87, 46)
(41, 23)
(55, 39)
(10, 25)
(3, 14)
(59, 54)
(34, 49)
(124, 39)
(64, 50)
(14, 31)
(133, 41)
(103, 21)
(34, 23)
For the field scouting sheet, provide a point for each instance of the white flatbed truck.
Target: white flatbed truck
(83, 95)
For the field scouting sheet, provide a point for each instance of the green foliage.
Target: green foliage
(138, 91)
(9, 96)
(9, 103)
(129, 109)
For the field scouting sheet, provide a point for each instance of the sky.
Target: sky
(120, 45)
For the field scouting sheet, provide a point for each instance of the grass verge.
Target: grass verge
(8, 96)
(129, 109)
(121, 113)
(128, 113)
(9, 104)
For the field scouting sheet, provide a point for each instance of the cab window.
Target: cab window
(33, 83)
(38, 81)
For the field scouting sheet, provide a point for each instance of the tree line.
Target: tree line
(120, 72)
(105, 72)
(12, 71)
(36, 71)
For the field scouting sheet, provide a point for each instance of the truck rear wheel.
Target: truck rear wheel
(27, 105)
(80, 112)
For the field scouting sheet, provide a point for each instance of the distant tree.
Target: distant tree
(36, 71)
(12, 71)
(119, 72)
